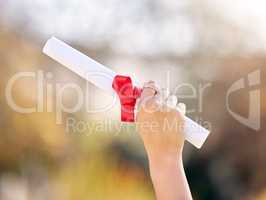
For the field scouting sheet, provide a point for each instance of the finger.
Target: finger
(150, 90)
(171, 101)
(181, 107)
(162, 98)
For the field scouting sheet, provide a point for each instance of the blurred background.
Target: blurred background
(202, 43)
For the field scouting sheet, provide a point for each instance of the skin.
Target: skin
(164, 145)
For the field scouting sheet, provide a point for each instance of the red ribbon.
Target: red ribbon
(128, 95)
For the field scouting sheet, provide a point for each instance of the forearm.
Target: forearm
(169, 178)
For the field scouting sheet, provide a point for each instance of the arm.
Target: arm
(169, 178)
(160, 128)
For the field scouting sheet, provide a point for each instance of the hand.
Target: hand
(160, 125)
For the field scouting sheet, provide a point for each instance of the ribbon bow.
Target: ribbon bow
(128, 95)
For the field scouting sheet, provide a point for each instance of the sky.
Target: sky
(142, 27)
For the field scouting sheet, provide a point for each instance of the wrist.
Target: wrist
(158, 163)
(164, 156)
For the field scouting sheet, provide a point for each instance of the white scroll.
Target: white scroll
(88, 69)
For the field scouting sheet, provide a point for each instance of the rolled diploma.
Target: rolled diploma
(77, 62)
(102, 77)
